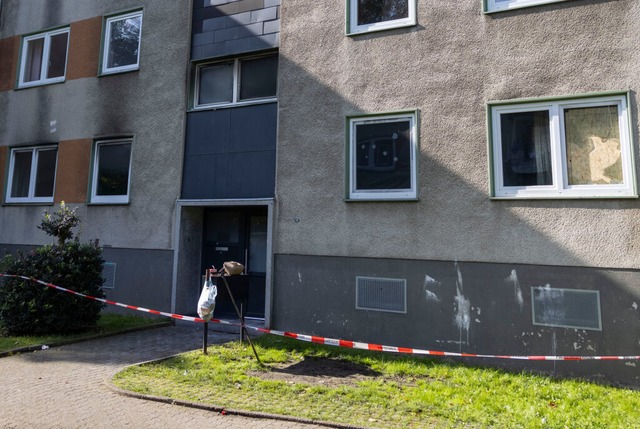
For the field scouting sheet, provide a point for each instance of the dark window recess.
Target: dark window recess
(258, 78)
(373, 11)
(383, 153)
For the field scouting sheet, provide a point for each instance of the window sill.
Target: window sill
(488, 11)
(232, 105)
(27, 203)
(39, 84)
(566, 197)
(116, 72)
(381, 200)
(382, 28)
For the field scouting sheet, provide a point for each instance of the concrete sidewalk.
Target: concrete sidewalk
(65, 387)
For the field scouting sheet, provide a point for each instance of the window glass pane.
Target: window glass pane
(593, 145)
(216, 84)
(113, 169)
(526, 148)
(57, 55)
(45, 172)
(21, 174)
(383, 155)
(33, 63)
(259, 77)
(372, 11)
(124, 41)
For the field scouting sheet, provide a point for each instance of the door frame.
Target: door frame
(268, 202)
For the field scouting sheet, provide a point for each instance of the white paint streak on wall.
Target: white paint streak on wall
(513, 278)
(634, 305)
(300, 277)
(462, 307)
(53, 126)
(429, 282)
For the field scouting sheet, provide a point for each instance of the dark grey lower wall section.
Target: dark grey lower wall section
(467, 307)
(142, 277)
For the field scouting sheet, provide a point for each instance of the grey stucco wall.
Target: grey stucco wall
(448, 67)
(463, 307)
(147, 104)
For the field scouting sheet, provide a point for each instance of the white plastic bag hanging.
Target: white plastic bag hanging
(207, 301)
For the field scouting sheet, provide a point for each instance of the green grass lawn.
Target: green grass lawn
(405, 392)
(107, 324)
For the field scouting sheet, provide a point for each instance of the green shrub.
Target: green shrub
(30, 308)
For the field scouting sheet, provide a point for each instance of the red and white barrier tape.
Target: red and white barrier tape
(331, 341)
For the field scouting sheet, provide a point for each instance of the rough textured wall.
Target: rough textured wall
(147, 105)
(448, 67)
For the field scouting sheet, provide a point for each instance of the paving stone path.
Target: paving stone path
(65, 387)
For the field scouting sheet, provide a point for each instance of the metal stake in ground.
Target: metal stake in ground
(233, 301)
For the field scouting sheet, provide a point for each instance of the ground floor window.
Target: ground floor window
(32, 173)
(571, 148)
(382, 156)
(111, 171)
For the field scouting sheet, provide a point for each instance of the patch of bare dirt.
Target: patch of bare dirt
(320, 371)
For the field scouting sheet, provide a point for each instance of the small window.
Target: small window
(573, 148)
(32, 175)
(44, 58)
(240, 81)
(382, 157)
(500, 5)
(374, 15)
(122, 43)
(111, 171)
(567, 308)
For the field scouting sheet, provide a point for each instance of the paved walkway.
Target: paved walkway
(65, 387)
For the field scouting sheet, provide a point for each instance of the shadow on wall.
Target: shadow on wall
(469, 287)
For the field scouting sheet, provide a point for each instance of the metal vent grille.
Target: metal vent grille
(566, 308)
(381, 294)
(109, 275)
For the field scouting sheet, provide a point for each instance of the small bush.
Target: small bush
(29, 308)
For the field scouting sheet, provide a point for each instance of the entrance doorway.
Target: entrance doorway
(238, 234)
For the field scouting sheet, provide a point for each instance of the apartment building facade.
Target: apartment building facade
(461, 176)
(92, 96)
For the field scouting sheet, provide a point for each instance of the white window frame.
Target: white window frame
(45, 58)
(32, 177)
(109, 199)
(381, 194)
(237, 79)
(354, 28)
(107, 41)
(560, 187)
(500, 6)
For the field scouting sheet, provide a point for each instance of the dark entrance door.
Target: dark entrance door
(238, 234)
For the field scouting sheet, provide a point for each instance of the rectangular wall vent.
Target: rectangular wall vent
(566, 308)
(380, 294)
(109, 275)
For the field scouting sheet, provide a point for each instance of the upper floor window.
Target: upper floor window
(499, 5)
(382, 157)
(111, 171)
(243, 80)
(121, 51)
(44, 58)
(374, 15)
(32, 173)
(566, 148)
